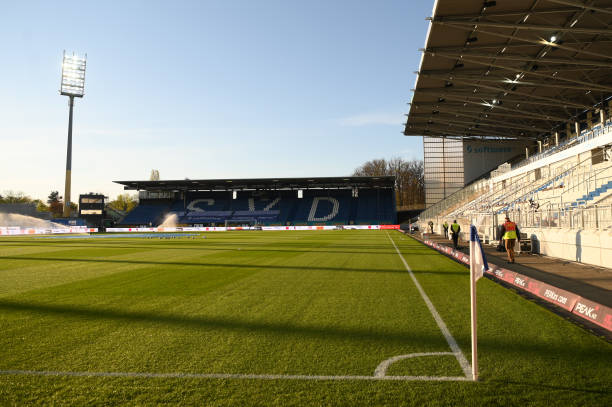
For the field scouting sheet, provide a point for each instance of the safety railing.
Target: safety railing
(584, 136)
(596, 217)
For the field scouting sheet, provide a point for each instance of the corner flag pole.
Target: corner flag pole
(478, 265)
(474, 315)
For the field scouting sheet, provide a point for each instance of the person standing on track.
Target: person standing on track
(445, 227)
(455, 229)
(510, 233)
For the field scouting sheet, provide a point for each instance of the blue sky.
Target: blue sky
(206, 89)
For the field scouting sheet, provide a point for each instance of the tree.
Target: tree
(56, 205)
(40, 206)
(124, 202)
(409, 179)
(154, 175)
(53, 197)
(11, 197)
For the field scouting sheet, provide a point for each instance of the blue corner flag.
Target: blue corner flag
(478, 261)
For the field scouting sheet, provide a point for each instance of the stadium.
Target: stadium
(324, 290)
(269, 202)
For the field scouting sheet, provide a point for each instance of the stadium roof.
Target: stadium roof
(511, 69)
(259, 183)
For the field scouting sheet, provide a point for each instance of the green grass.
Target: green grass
(290, 303)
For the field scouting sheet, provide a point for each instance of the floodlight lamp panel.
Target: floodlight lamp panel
(73, 75)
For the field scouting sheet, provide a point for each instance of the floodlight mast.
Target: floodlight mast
(72, 85)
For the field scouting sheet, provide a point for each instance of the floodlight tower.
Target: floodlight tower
(73, 85)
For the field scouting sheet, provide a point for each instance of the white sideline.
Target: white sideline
(380, 374)
(229, 376)
(381, 370)
(447, 335)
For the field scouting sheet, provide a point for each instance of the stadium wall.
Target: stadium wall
(584, 246)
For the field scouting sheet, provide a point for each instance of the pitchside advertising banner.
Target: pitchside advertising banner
(589, 310)
(224, 229)
(16, 231)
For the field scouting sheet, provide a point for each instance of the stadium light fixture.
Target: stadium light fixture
(72, 85)
(73, 75)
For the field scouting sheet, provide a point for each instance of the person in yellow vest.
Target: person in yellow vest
(510, 234)
(445, 227)
(455, 229)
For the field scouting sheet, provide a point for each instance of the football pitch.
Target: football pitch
(276, 318)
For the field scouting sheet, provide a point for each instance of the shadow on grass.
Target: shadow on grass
(506, 350)
(213, 248)
(223, 246)
(230, 324)
(540, 386)
(224, 265)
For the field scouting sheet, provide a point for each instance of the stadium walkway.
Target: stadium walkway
(590, 282)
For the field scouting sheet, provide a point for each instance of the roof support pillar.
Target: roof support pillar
(556, 138)
(602, 116)
(590, 119)
(539, 146)
(568, 130)
(526, 152)
(577, 125)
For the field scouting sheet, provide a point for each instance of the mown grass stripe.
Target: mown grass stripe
(229, 376)
(447, 335)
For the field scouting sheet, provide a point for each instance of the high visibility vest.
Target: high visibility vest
(455, 227)
(445, 225)
(510, 230)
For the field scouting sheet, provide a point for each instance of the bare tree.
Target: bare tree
(409, 181)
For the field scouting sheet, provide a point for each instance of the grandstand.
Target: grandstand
(513, 101)
(275, 202)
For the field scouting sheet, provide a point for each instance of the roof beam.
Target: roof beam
(443, 134)
(466, 129)
(477, 116)
(522, 26)
(466, 48)
(505, 100)
(538, 41)
(520, 13)
(532, 73)
(497, 124)
(581, 5)
(512, 92)
(453, 77)
(546, 116)
(485, 114)
(513, 57)
(423, 131)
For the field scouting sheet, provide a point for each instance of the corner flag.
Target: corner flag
(478, 265)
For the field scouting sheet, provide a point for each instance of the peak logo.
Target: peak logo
(586, 310)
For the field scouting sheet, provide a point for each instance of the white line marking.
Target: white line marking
(228, 376)
(381, 369)
(379, 373)
(447, 335)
